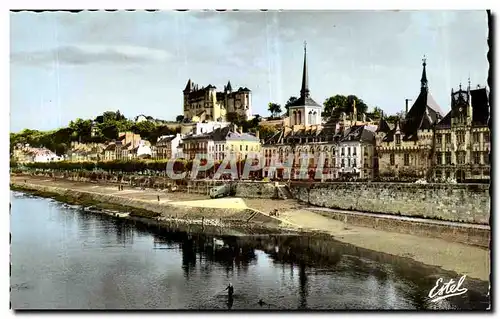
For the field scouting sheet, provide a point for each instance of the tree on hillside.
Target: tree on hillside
(377, 112)
(398, 116)
(266, 131)
(161, 130)
(234, 118)
(290, 101)
(81, 130)
(335, 105)
(179, 118)
(145, 129)
(274, 109)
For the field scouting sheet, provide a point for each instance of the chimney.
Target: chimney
(406, 100)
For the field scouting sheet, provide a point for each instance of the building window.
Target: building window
(486, 158)
(448, 158)
(486, 136)
(439, 139)
(448, 138)
(477, 158)
(460, 137)
(246, 148)
(438, 174)
(348, 151)
(241, 147)
(475, 137)
(398, 139)
(354, 163)
(342, 163)
(392, 159)
(348, 162)
(461, 158)
(407, 159)
(354, 151)
(343, 151)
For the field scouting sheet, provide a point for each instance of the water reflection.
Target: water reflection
(90, 261)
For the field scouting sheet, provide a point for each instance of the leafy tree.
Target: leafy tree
(179, 118)
(160, 131)
(335, 105)
(398, 116)
(290, 101)
(266, 131)
(234, 118)
(145, 129)
(274, 109)
(377, 112)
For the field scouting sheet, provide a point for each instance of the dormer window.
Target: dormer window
(398, 139)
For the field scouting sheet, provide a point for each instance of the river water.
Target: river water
(65, 258)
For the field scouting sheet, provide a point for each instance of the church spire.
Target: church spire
(304, 92)
(423, 80)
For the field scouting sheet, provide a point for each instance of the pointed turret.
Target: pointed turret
(304, 92)
(228, 87)
(423, 80)
(189, 86)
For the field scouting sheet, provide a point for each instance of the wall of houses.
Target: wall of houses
(452, 202)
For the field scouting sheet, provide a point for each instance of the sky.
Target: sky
(65, 66)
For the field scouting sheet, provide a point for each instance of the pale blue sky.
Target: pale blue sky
(65, 66)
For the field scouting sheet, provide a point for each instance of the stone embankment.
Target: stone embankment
(227, 212)
(467, 203)
(456, 213)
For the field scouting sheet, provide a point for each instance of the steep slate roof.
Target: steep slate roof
(165, 139)
(480, 109)
(480, 106)
(383, 126)
(189, 86)
(424, 114)
(228, 87)
(358, 133)
(325, 133)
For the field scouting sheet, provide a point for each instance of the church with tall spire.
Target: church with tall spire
(305, 111)
(315, 147)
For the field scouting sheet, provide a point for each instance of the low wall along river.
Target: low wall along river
(470, 203)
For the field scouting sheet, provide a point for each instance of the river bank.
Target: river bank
(241, 214)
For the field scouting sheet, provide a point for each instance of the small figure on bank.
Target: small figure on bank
(230, 290)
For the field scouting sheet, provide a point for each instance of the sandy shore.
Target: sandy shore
(462, 259)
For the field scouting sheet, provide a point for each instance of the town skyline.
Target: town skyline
(73, 72)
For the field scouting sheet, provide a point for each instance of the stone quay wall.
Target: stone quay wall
(469, 203)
